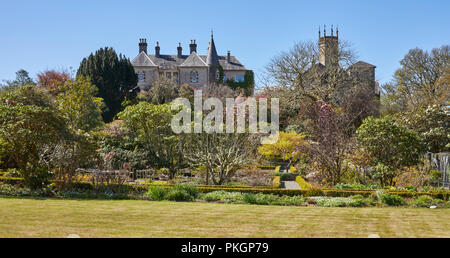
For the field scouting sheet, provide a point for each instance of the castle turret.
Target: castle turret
(212, 60)
(328, 48)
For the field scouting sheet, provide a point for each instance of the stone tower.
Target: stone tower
(212, 60)
(329, 47)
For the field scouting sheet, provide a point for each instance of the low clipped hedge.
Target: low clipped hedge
(443, 195)
(12, 180)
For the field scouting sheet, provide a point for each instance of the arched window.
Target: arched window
(217, 75)
(141, 76)
(194, 76)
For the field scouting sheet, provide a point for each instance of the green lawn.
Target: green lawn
(59, 218)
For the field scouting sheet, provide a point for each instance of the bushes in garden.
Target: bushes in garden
(302, 183)
(426, 201)
(390, 199)
(157, 193)
(187, 192)
(276, 182)
(179, 196)
(179, 193)
(354, 201)
(250, 198)
(124, 188)
(355, 187)
(223, 196)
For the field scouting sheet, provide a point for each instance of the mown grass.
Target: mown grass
(86, 218)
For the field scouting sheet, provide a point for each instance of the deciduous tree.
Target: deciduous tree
(289, 148)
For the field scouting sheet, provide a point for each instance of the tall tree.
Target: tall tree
(27, 126)
(422, 80)
(220, 154)
(22, 78)
(114, 77)
(150, 127)
(78, 104)
(389, 146)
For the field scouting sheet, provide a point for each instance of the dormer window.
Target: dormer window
(194, 76)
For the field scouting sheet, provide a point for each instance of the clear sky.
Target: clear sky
(40, 35)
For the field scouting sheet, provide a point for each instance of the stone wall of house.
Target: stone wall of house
(151, 74)
(230, 75)
(185, 76)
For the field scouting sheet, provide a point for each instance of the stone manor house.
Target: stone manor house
(193, 69)
(199, 70)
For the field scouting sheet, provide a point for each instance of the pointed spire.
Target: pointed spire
(319, 31)
(337, 31)
(332, 34)
(212, 58)
(324, 30)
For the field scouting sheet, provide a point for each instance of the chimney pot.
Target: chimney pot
(179, 50)
(143, 45)
(157, 49)
(193, 46)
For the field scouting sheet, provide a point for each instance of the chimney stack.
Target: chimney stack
(229, 57)
(179, 50)
(143, 45)
(157, 49)
(193, 46)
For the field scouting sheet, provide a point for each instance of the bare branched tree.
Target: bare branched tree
(220, 154)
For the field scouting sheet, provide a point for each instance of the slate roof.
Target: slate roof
(172, 62)
(363, 64)
(143, 60)
(212, 58)
(193, 61)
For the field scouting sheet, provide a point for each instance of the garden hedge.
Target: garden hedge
(12, 180)
(443, 195)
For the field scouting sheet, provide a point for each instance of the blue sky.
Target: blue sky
(40, 35)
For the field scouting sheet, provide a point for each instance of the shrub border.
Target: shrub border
(443, 195)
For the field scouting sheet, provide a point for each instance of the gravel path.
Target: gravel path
(290, 185)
